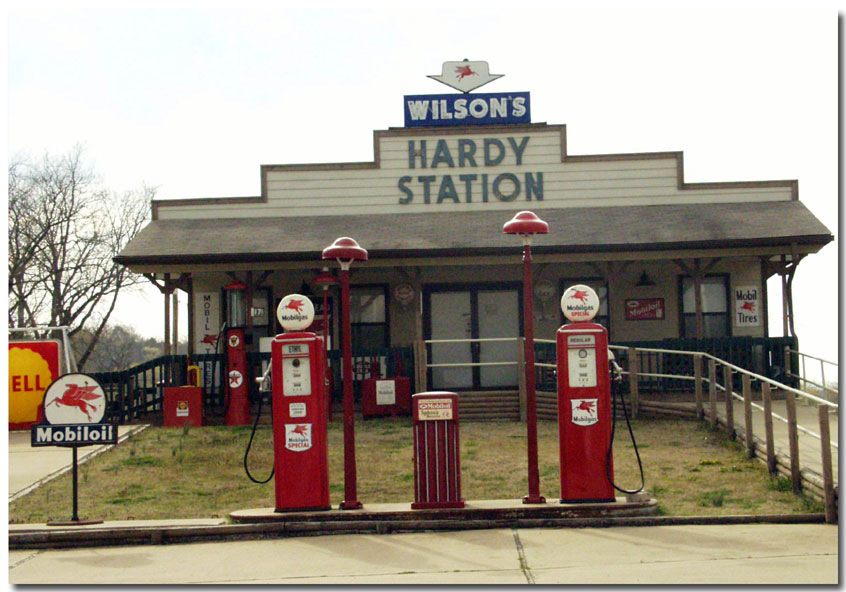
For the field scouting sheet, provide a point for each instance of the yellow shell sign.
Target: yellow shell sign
(33, 365)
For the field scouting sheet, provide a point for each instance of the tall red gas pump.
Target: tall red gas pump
(300, 446)
(238, 401)
(584, 401)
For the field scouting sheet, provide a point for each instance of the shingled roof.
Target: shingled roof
(629, 228)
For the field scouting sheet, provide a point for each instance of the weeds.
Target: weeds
(714, 498)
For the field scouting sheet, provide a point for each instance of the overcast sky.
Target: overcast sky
(194, 97)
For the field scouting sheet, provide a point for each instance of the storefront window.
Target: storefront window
(369, 317)
(715, 313)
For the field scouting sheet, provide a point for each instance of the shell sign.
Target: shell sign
(33, 365)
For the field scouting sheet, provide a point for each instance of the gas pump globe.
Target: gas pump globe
(237, 399)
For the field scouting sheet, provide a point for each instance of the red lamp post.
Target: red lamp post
(326, 279)
(345, 250)
(526, 224)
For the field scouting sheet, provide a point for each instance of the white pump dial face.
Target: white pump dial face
(296, 377)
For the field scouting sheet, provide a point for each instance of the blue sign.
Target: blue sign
(466, 109)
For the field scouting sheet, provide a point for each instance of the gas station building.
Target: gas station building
(429, 209)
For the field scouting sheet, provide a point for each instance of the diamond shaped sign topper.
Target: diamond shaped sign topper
(465, 75)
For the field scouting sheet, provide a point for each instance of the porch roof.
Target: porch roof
(572, 230)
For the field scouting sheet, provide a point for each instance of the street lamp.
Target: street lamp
(527, 224)
(326, 279)
(345, 250)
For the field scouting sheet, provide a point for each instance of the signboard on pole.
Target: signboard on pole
(33, 365)
(74, 408)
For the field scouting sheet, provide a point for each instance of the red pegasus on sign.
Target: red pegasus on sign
(579, 295)
(464, 71)
(750, 306)
(587, 406)
(80, 397)
(300, 430)
(210, 339)
(295, 305)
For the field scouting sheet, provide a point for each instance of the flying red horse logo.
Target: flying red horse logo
(300, 430)
(210, 339)
(464, 71)
(579, 295)
(587, 406)
(750, 306)
(80, 397)
(295, 305)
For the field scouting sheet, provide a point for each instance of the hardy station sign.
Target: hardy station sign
(74, 408)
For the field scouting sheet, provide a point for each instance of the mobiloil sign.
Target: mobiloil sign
(74, 407)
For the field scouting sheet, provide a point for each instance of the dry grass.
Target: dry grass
(191, 473)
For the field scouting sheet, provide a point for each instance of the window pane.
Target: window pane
(713, 295)
(367, 305)
(713, 325)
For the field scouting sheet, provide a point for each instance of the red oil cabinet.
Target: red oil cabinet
(386, 396)
(183, 405)
(584, 414)
(299, 422)
(437, 467)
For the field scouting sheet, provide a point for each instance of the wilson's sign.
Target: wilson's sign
(465, 109)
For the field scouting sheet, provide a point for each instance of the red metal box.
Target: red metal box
(183, 405)
(386, 396)
(437, 467)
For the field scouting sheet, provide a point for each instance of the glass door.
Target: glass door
(450, 314)
(472, 313)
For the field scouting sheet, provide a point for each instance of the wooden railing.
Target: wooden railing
(736, 384)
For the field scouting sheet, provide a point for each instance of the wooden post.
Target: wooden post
(420, 366)
(747, 415)
(175, 324)
(167, 315)
(729, 402)
(828, 476)
(634, 369)
(787, 369)
(768, 426)
(712, 391)
(793, 436)
(697, 384)
(521, 376)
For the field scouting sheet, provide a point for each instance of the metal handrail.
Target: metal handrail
(737, 369)
(803, 376)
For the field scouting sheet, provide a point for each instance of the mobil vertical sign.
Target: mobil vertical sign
(33, 365)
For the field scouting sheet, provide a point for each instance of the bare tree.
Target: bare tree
(64, 230)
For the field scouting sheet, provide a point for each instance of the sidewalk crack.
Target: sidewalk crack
(524, 565)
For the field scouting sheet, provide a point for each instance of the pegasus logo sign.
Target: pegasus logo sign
(584, 412)
(298, 436)
(465, 75)
(295, 305)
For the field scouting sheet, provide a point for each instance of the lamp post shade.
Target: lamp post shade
(525, 223)
(345, 249)
(325, 279)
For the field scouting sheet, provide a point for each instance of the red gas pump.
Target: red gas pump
(299, 411)
(238, 401)
(584, 401)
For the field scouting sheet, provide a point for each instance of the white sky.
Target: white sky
(194, 97)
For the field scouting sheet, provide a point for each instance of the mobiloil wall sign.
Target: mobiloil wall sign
(464, 109)
(74, 408)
